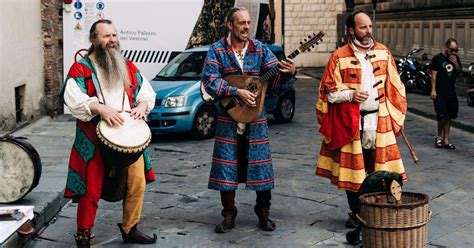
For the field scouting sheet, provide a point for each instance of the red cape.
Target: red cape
(341, 124)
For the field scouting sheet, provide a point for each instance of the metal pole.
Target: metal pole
(374, 6)
(283, 24)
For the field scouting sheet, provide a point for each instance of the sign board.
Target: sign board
(149, 31)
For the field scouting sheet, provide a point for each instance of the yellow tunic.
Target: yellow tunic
(345, 166)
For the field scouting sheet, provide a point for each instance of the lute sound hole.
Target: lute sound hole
(252, 87)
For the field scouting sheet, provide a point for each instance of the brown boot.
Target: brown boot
(229, 221)
(136, 237)
(264, 221)
(83, 238)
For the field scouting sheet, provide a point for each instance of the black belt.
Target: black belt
(364, 113)
(368, 112)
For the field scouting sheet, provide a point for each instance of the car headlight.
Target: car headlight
(174, 102)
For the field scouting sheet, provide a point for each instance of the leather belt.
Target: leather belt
(368, 112)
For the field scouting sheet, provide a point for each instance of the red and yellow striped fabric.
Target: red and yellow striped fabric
(345, 166)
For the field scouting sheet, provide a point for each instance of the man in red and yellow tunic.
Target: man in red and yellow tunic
(361, 109)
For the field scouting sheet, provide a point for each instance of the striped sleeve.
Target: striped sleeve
(326, 86)
(212, 79)
(271, 62)
(396, 100)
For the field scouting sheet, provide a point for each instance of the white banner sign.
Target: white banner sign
(150, 31)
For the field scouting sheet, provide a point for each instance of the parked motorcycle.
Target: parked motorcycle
(423, 76)
(408, 68)
(415, 75)
(470, 91)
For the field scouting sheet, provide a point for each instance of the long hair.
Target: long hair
(93, 32)
(230, 16)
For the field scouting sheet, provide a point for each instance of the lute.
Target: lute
(240, 111)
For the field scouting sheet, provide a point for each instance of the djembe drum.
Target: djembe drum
(120, 146)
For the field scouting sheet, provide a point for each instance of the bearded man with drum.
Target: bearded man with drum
(97, 87)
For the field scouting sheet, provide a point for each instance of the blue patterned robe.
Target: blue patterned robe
(221, 62)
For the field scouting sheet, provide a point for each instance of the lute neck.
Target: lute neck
(269, 74)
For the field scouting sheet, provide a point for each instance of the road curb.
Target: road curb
(43, 214)
(454, 123)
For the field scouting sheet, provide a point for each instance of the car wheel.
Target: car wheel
(285, 109)
(204, 123)
(470, 99)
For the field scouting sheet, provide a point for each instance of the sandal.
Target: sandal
(449, 146)
(438, 143)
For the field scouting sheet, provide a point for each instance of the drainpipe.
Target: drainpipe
(283, 24)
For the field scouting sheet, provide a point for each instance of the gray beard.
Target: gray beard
(357, 41)
(112, 66)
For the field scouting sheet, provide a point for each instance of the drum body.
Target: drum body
(114, 186)
(20, 168)
(121, 146)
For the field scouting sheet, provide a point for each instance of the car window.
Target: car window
(184, 65)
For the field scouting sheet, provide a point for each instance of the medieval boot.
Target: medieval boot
(83, 238)
(264, 221)
(229, 221)
(136, 237)
(352, 221)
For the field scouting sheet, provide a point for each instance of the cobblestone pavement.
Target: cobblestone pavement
(308, 211)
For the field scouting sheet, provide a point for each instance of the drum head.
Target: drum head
(133, 133)
(17, 172)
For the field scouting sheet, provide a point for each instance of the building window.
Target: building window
(19, 102)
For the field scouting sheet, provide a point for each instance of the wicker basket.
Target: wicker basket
(386, 224)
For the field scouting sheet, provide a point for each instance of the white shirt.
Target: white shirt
(239, 56)
(78, 102)
(367, 84)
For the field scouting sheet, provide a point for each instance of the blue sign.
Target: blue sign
(78, 15)
(100, 5)
(78, 5)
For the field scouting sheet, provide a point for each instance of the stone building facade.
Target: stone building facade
(21, 49)
(406, 24)
(52, 25)
(305, 17)
(403, 25)
(31, 67)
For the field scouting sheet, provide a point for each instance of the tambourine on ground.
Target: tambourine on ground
(20, 168)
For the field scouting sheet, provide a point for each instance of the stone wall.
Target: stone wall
(305, 17)
(51, 19)
(21, 69)
(406, 24)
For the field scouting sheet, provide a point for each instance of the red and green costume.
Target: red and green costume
(85, 174)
